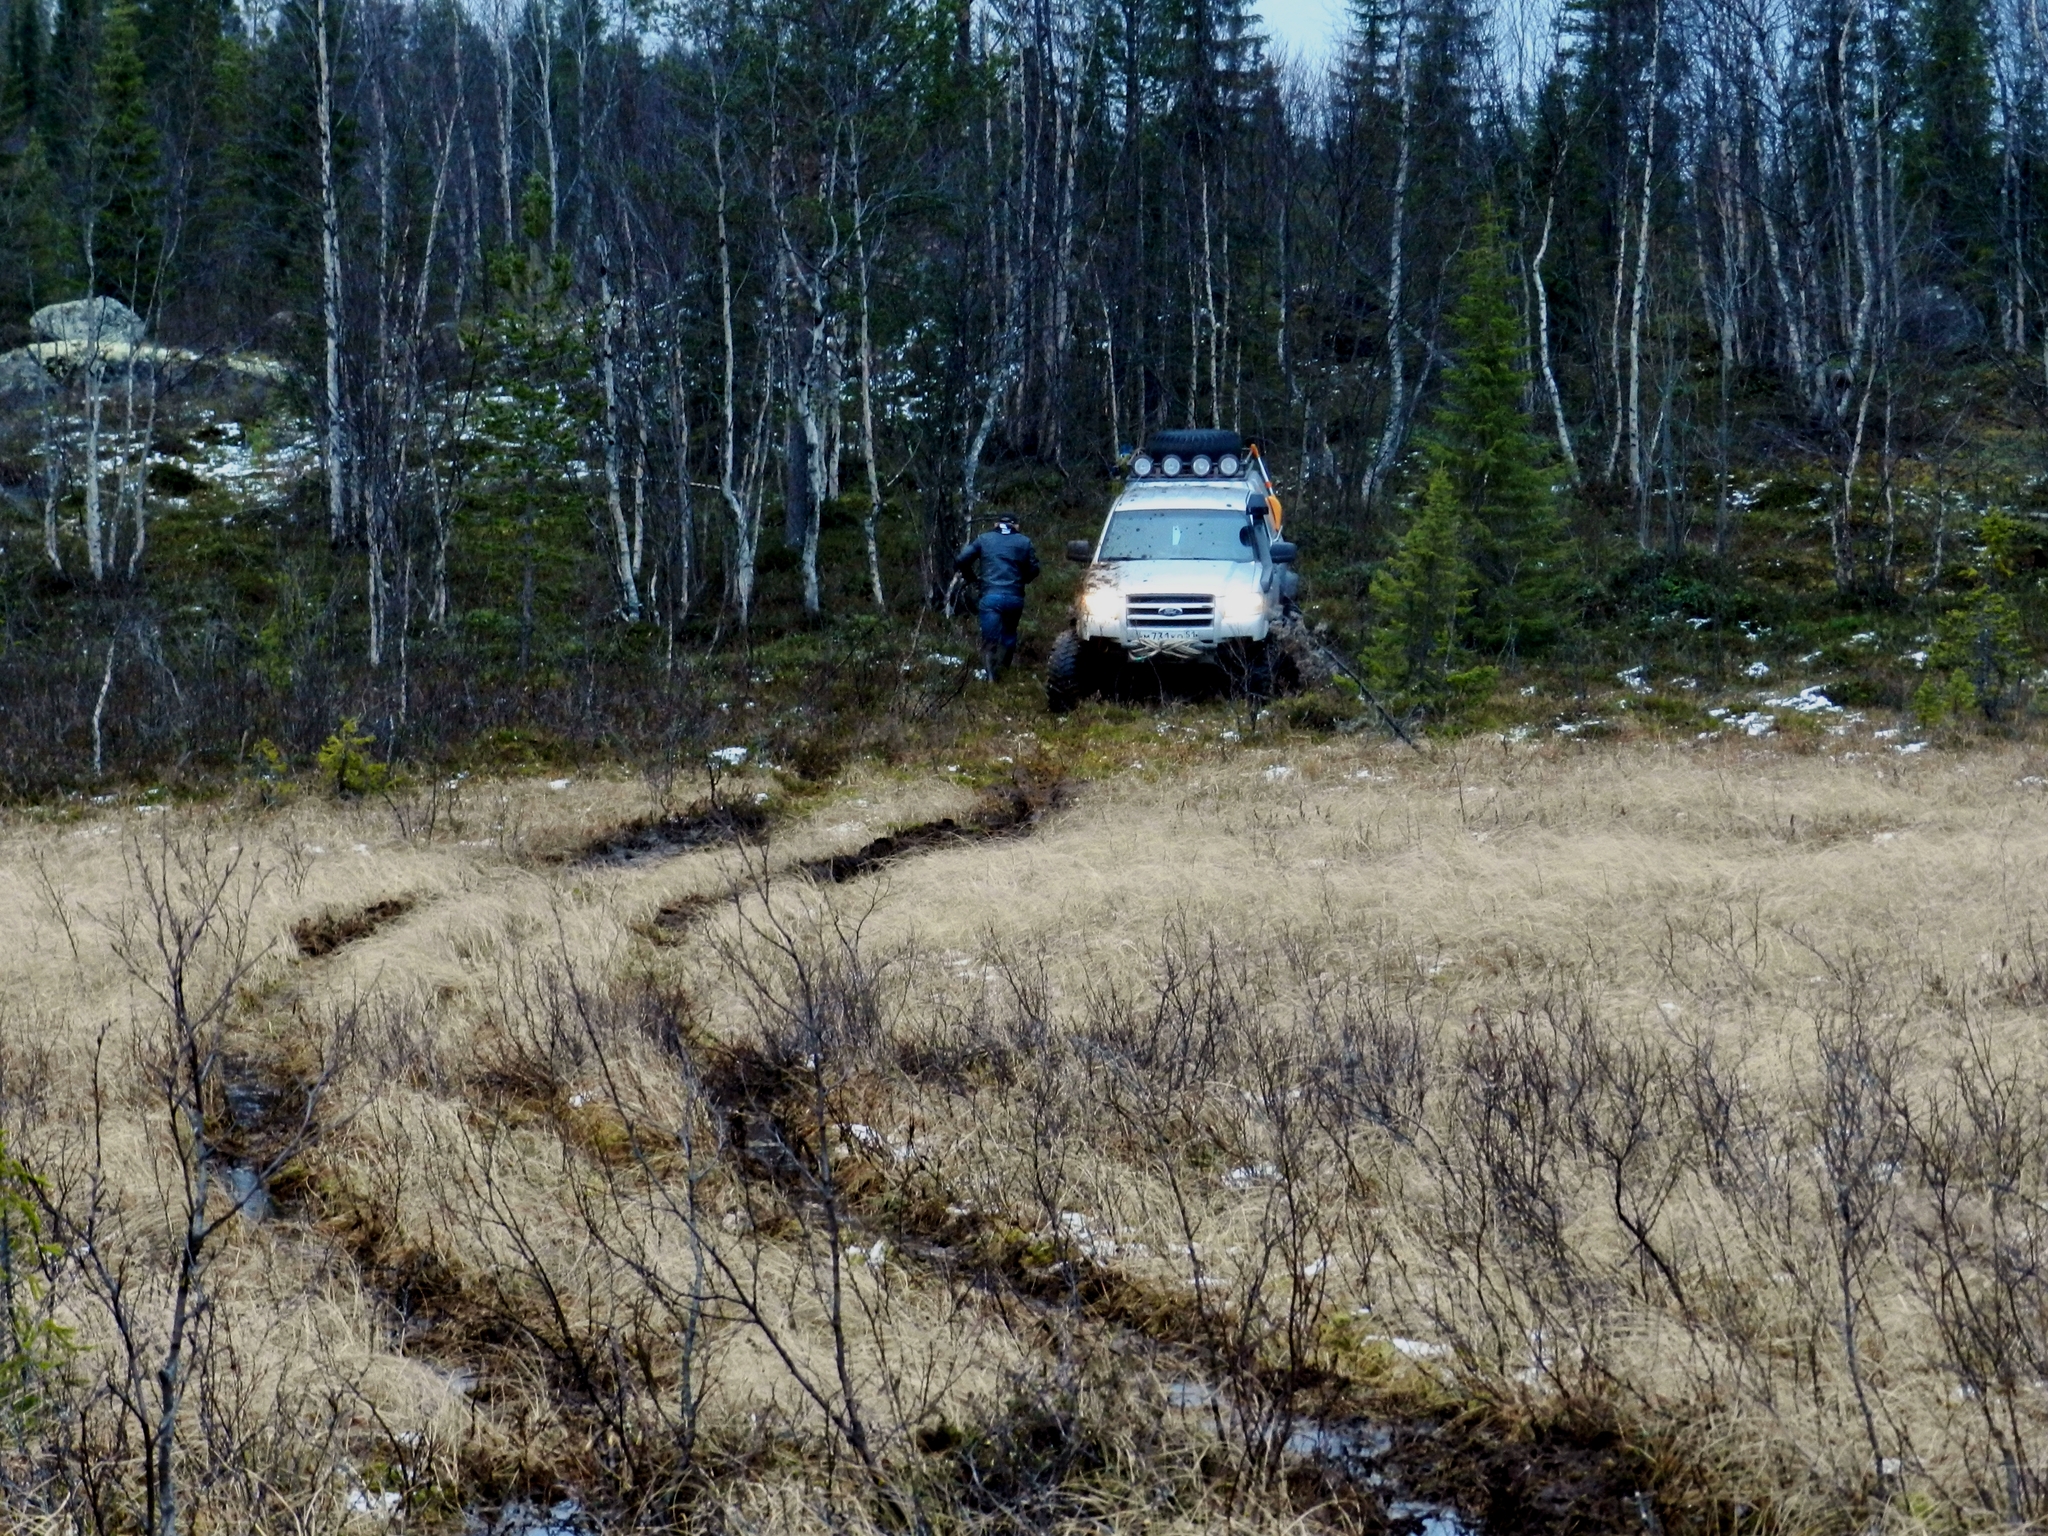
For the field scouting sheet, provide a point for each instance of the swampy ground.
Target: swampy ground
(1148, 1122)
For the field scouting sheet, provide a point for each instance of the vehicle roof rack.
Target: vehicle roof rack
(1187, 442)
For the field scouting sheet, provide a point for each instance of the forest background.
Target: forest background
(529, 380)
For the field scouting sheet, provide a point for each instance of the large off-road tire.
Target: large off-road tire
(1249, 665)
(1072, 673)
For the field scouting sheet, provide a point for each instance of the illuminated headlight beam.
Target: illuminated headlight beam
(1105, 605)
(1240, 605)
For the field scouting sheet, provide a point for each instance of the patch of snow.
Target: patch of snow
(1430, 1519)
(1807, 701)
(1757, 669)
(1251, 1176)
(732, 757)
(1634, 679)
(1277, 772)
(1189, 1394)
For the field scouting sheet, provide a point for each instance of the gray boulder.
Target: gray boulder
(106, 322)
(23, 380)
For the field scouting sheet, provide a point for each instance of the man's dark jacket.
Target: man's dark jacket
(1007, 562)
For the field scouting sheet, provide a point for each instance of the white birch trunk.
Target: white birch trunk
(1397, 379)
(622, 540)
(504, 103)
(746, 521)
(1556, 396)
(871, 521)
(334, 444)
(1638, 451)
(95, 532)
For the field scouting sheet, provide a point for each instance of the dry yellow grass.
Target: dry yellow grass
(1257, 1058)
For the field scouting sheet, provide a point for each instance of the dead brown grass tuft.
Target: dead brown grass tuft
(1578, 1135)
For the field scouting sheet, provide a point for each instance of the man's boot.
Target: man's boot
(990, 652)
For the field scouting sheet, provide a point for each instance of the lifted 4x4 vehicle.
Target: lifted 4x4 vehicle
(1190, 567)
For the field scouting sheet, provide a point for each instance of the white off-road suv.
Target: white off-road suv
(1189, 567)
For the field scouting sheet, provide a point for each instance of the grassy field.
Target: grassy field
(1134, 1129)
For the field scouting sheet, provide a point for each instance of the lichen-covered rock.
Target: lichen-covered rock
(23, 380)
(103, 321)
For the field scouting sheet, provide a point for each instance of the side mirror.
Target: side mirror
(1284, 553)
(1080, 551)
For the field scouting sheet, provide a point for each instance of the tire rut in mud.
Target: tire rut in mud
(1374, 1456)
(1009, 810)
(325, 932)
(653, 838)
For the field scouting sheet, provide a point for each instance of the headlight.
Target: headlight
(1141, 466)
(1201, 464)
(1241, 605)
(1228, 466)
(1105, 605)
(1170, 465)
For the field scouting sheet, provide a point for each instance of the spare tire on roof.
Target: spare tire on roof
(1188, 442)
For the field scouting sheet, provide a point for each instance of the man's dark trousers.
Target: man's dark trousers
(1000, 612)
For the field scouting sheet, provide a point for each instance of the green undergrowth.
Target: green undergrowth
(241, 650)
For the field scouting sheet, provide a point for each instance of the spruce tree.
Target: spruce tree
(1420, 598)
(1482, 440)
(1950, 170)
(32, 243)
(21, 82)
(123, 167)
(34, 252)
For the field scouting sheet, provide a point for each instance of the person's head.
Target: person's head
(1006, 525)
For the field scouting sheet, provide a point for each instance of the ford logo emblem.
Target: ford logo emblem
(1169, 613)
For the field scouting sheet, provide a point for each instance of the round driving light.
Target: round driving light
(1201, 464)
(1228, 464)
(1141, 466)
(1170, 465)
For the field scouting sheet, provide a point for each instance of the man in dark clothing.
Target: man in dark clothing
(1006, 562)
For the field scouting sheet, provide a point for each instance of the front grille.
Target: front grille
(1172, 610)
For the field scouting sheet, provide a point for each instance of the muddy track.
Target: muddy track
(653, 838)
(1008, 810)
(1372, 1453)
(323, 934)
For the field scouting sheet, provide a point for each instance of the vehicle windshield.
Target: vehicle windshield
(1177, 534)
